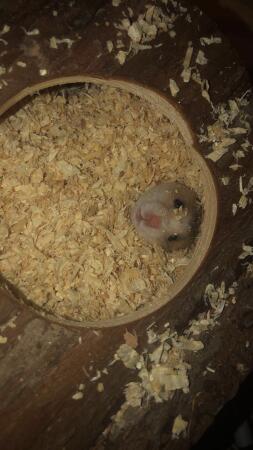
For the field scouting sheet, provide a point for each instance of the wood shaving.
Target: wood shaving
(2, 70)
(212, 40)
(217, 154)
(153, 21)
(218, 296)
(174, 89)
(72, 164)
(234, 209)
(244, 199)
(222, 134)
(34, 32)
(186, 73)
(109, 45)
(100, 387)
(164, 369)
(5, 29)
(128, 356)
(201, 59)
(247, 251)
(55, 42)
(179, 427)
(121, 57)
(189, 344)
(21, 64)
(77, 396)
(235, 167)
(97, 376)
(43, 72)
(135, 32)
(225, 180)
(134, 393)
(3, 340)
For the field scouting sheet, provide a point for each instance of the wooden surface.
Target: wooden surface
(235, 19)
(43, 362)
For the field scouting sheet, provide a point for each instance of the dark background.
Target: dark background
(235, 19)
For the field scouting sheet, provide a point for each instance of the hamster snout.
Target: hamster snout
(167, 215)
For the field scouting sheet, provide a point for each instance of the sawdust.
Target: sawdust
(72, 164)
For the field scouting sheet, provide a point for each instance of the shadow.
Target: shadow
(220, 436)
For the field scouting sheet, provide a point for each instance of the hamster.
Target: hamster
(168, 215)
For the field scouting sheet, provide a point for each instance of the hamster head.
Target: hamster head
(167, 215)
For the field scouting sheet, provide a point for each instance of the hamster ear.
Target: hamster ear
(152, 220)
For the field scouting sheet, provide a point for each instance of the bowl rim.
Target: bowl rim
(169, 108)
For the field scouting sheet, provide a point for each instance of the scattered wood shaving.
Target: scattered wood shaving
(215, 155)
(5, 29)
(121, 57)
(3, 339)
(174, 89)
(134, 393)
(2, 70)
(179, 427)
(43, 72)
(9, 324)
(109, 45)
(55, 42)
(77, 396)
(128, 356)
(212, 40)
(97, 376)
(149, 24)
(247, 251)
(135, 32)
(164, 369)
(34, 32)
(186, 73)
(201, 59)
(234, 209)
(218, 296)
(100, 387)
(225, 180)
(222, 134)
(21, 64)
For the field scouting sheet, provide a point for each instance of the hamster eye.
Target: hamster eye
(173, 237)
(178, 203)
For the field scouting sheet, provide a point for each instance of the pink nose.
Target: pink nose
(152, 220)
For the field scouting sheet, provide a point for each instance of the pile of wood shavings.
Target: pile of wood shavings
(72, 164)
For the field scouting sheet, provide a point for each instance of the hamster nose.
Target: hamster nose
(178, 203)
(152, 220)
